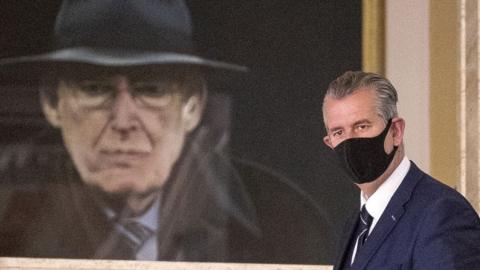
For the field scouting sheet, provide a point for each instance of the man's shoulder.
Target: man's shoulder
(23, 206)
(431, 199)
(435, 225)
(32, 160)
(445, 225)
(431, 189)
(25, 177)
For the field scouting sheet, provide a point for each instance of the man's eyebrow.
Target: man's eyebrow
(362, 121)
(334, 129)
(358, 122)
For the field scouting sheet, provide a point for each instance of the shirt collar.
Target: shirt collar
(149, 219)
(377, 203)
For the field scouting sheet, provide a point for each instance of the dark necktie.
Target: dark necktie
(124, 242)
(362, 229)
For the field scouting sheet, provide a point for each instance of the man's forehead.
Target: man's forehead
(358, 106)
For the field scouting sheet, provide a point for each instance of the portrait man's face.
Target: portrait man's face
(124, 133)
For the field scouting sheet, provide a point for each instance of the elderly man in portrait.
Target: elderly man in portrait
(137, 166)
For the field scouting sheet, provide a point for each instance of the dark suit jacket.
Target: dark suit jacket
(426, 225)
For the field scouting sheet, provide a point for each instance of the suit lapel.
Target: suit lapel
(389, 219)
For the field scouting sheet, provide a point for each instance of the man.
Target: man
(138, 166)
(408, 220)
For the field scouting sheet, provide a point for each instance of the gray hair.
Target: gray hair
(351, 81)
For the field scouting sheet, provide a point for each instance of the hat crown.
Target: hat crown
(118, 33)
(140, 25)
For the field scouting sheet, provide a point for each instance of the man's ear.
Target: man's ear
(192, 111)
(327, 141)
(398, 130)
(50, 111)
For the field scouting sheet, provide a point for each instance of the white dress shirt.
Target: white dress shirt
(379, 200)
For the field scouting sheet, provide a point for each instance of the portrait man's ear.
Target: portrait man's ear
(50, 111)
(192, 111)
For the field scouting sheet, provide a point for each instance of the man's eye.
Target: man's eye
(362, 127)
(153, 94)
(154, 89)
(93, 88)
(337, 133)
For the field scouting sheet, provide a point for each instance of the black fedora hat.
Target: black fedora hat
(118, 33)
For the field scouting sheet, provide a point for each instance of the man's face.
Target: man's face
(124, 135)
(354, 116)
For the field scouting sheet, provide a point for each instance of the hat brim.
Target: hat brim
(29, 66)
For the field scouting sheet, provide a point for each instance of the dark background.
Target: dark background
(293, 48)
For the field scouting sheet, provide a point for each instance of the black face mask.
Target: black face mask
(364, 158)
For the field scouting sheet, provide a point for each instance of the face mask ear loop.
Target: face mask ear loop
(384, 134)
(387, 128)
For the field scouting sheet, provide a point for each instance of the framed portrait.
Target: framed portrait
(251, 180)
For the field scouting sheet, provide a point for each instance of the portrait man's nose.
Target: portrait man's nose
(125, 116)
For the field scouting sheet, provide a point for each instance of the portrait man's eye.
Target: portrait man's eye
(154, 93)
(91, 93)
(95, 88)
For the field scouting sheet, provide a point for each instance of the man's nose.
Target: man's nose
(347, 134)
(124, 109)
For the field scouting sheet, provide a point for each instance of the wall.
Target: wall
(407, 65)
